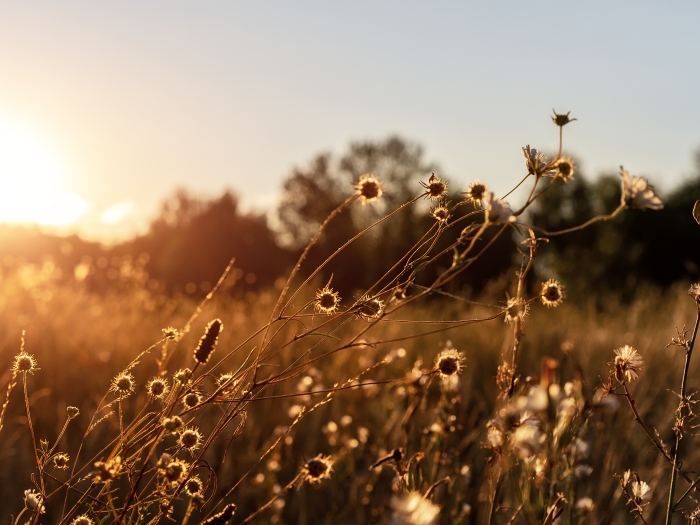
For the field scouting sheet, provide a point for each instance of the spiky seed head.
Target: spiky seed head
(24, 363)
(123, 384)
(158, 387)
(448, 363)
(183, 375)
(440, 214)
(171, 333)
(164, 460)
(61, 460)
(516, 309)
(207, 343)
(551, 293)
(72, 412)
(191, 400)
(34, 501)
(175, 470)
(106, 471)
(435, 188)
(173, 423)
(326, 301)
(370, 308)
(565, 168)
(190, 438)
(225, 378)
(223, 517)
(317, 469)
(369, 188)
(561, 119)
(193, 486)
(197, 499)
(475, 193)
(82, 520)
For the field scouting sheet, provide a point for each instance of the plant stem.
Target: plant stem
(679, 435)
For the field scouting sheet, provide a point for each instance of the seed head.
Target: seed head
(207, 343)
(368, 188)
(413, 509)
(106, 471)
(694, 292)
(326, 301)
(565, 168)
(562, 120)
(223, 517)
(190, 438)
(440, 213)
(123, 384)
(448, 363)
(197, 499)
(82, 520)
(516, 309)
(317, 469)
(61, 460)
(171, 333)
(370, 308)
(191, 400)
(175, 470)
(551, 293)
(637, 192)
(641, 492)
(73, 412)
(182, 375)
(537, 163)
(193, 486)
(173, 423)
(627, 363)
(24, 363)
(475, 193)
(34, 501)
(158, 388)
(436, 188)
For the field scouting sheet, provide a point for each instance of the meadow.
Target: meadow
(407, 403)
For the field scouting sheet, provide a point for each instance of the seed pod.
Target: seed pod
(208, 341)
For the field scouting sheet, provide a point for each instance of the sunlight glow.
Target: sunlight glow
(32, 181)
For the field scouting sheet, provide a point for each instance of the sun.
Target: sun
(32, 181)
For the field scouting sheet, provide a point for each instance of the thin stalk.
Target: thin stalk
(684, 382)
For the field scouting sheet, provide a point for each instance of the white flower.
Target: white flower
(637, 192)
(413, 509)
(627, 363)
(641, 491)
(584, 505)
(527, 440)
(537, 163)
(33, 501)
(496, 209)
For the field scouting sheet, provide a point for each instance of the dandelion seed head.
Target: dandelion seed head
(368, 188)
(317, 469)
(551, 293)
(435, 188)
(326, 301)
(61, 460)
(123, 384)
(158, 388)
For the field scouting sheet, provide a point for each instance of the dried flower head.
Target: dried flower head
(537, 163)
(637, 192)
(191, 399)
(527, 440)
(106, 471)
(565, 168)
(158, 388)
(496, 209)
(584, 505)
(368, 188)
(413, 509)
(326, 301)
(123, 384)
(190, 438)
(61, 460)
(193, 486)
(82, 520)
(197, 499)
(494, 436)
(72, 412)
(475, 193)
(173, 423)
(369, 308)
(551, 293)
(440, 213)
(627, 363)
(641, 492)
(34, 501)
(175, 470)
(207, 343)
(24, 363)
(448, 363)
(183, 375)
(317, 469)
(436, 187)
(561, 119)
(223, 517)
(694, 291)
(516, 309)
(171, 333)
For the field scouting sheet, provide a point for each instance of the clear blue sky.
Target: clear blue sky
(138, 97)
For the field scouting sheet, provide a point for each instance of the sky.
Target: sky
(107, 107)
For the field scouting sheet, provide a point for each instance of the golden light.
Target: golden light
(32, 181)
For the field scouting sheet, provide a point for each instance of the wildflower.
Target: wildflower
(182, 375)
(223, 517)
(207, 343)
(34, 501)
(191, 400)
(551, 293)
(172, 424)
(584, 505)
(448, 363)
(158, 388)
(562, 120)
(637, 192)
(106, 471)
(436, 187)
(440, 213)
(193, 486)
(370, 308)
(564, 168)
(627, 363)
(190, 438)
(516, 309)
(494, 435)
(413, 509)
(626, 477)
(640, 492)
(368, 188)
(73, 412)
(60, 460)
(24, 363)
(123, 384)
(171, 333)
(82, 520)
(537, 163)
(496, 209)
(326, 300)
(694, 291)
(175, 470)
(527, 440)
(475, 193)
(317, 469)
